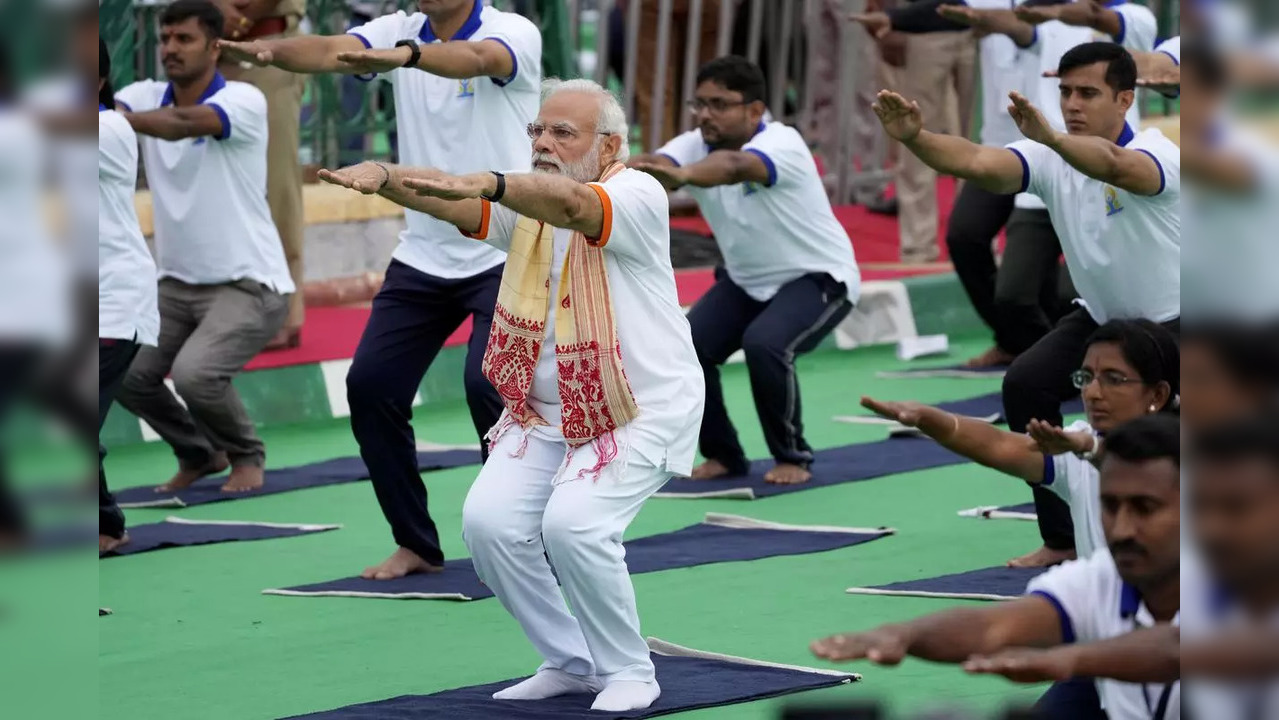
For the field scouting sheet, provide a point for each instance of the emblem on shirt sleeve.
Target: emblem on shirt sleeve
(1113, 207)
(466, 87)
(750, 188)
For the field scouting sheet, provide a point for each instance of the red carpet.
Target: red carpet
(331, 333)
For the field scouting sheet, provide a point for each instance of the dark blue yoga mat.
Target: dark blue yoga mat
(834, 466)
(176, 533)
(687, 684)
(287, 479)
(700, 544)
(945, 371)
(995, 583)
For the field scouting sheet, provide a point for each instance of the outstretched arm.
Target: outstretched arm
(994, 169)
(1087, 13)
(1002, 22)
(458, 60)
(553, 199)
(388, 181)
(178, 123)
(1021, 456)
(1133, 170)
(722, 167)
(1149, 655)
(951, 636)
(303, 54)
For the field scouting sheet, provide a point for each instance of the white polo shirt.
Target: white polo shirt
(777, 232)
(34, 283)
(126, 273)
(1123, 250)
(1172, 48)
(657, 344)
(1001, 74)
(1208, 610)
(1138, 27)
(460, 126)
(1078, 482)
(1231, 256)
(212, 222)
(1096, 604)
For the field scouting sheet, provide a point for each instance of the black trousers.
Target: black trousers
(114, 358)
(1023, 297)
(1073, 699)
(413, 314)
(1036, 385)
(16, 365)
(771, 334)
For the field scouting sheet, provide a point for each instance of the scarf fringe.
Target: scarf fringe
(608, 452)
(496, 433)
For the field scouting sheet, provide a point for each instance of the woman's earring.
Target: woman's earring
(1153, 408)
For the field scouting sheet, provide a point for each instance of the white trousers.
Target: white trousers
(520, 508)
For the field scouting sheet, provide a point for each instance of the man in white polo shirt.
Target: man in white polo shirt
(789, 275)
(1135, 584)
(1129, 24)
(223, 277)
(128, 316)
(603, 392)
(466, 80)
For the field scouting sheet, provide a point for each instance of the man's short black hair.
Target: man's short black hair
(1253, 437)
(737, 74)
(208, 14)
(1121, 69)
(1205, 64)
(1146, 439)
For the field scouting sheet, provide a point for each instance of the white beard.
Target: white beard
(584, 171)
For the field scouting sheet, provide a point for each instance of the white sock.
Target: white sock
(549, 683)
(626, 695)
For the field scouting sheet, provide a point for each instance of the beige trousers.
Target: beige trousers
(939, 66)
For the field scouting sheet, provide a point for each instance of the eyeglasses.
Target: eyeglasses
(1109, 379)
(715, 105)
(559, 133)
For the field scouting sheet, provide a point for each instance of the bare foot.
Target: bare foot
(402, 562)
(787, 474)
(1043, 557)
(184, 478)
(245, 478)
(106, 543)
(994, 357)
(710, 470)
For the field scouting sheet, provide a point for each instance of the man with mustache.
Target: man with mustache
(595, 363)
(789, 275)
(224, 280)
(1134, 585)
(465, 78)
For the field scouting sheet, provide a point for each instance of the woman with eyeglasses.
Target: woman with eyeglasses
(1131, 369)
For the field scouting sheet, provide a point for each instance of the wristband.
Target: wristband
(1091, 453)
(501, 188)
(415, 52)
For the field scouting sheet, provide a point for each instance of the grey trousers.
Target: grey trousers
(207, 335)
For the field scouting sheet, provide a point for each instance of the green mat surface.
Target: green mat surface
(192, 637)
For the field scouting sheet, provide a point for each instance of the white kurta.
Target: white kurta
(532, 496)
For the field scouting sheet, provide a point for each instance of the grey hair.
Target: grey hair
(612, 119)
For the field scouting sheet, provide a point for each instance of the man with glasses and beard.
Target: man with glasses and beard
(595, 364)
(789, 274)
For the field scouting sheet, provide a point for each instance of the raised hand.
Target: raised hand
(368, 177)
(1053, 440)
(252, 51)
(878, 24)
(907, 413)
(1029, 119)
(882, 646)
(1025, 665)
(1166, 82)
(962, 14)
(900, 117)
(364, 62)
(1037, 14)
(450, 187)
(672, 178)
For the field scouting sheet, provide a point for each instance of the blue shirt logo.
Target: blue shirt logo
(750, 188)
(466, 87)
(1112, 202)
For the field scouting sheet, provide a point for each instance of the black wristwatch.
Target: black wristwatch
(414, 49)
(501, 188)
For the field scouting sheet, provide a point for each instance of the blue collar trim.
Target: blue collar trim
(1126, 136)
(102, 107)
(1129, 601)
(465, 32)
(1115, 3)
(762, 127)
(217, 83)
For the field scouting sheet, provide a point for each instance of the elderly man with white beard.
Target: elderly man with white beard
(602, 389)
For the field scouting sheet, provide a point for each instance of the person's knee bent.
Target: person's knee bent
(568, 536)
(195, 383)
(366, 385)
(486, 524)
(758, 345)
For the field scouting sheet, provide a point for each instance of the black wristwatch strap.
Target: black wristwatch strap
(414, 48)
(501, 188)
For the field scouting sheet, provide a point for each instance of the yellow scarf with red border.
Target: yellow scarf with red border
(595, 395)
